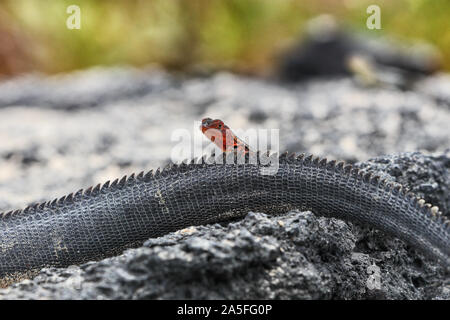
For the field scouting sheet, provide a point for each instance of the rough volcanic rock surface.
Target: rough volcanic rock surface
(60, 134)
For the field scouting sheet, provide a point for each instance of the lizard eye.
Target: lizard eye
(220, 126)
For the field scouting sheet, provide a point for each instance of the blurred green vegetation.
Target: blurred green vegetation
(239, 35)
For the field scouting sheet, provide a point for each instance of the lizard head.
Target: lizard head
(208, 123)
(216, 131)
(221, 135)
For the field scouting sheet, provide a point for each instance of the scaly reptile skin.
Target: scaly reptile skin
(104, 220)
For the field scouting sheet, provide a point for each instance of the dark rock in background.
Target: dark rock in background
(328, 50)
(88, 88)
(54, 142)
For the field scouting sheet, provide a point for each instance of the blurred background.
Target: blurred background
(244, 36)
